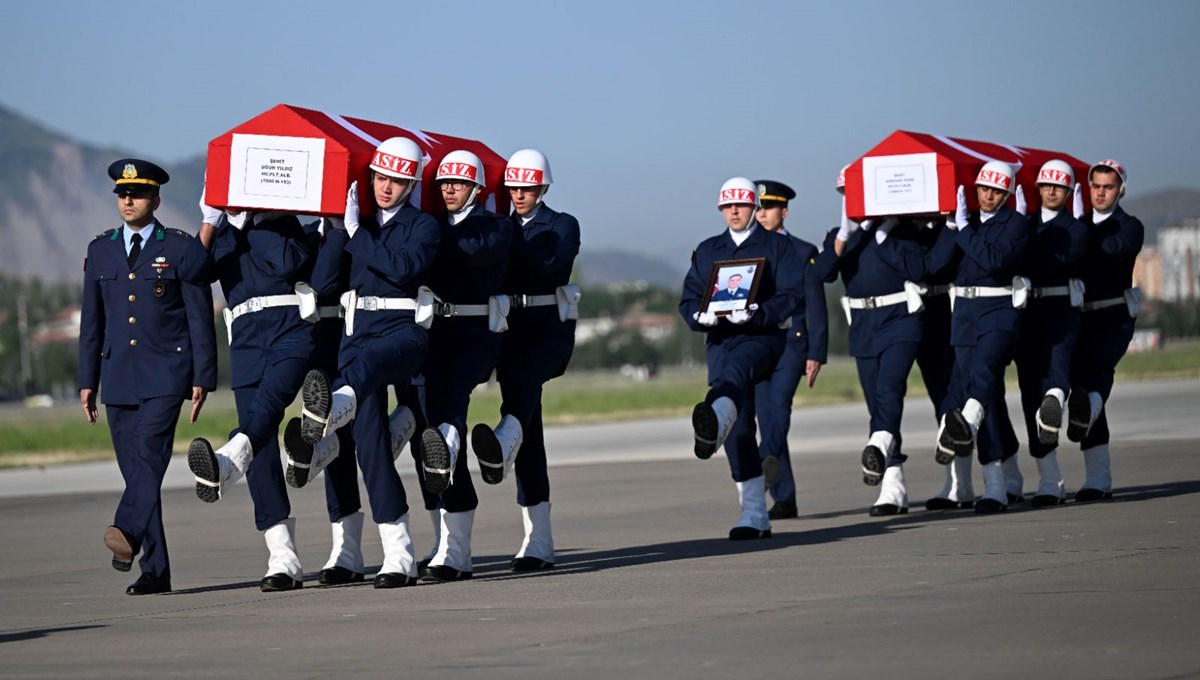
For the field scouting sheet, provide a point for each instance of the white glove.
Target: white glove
(1022, 206)
(705, 318)
(351, 224)
(1077, 203)
(847, 226)
(881, 232)
(740, 316)
(237, 219)
(961, 216)
(209, 214)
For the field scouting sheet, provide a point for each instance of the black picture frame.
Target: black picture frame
(723, 299)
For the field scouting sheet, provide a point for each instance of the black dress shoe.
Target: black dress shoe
(530, 564)
(1092, 495)
(276, 583)
(748, 533)
(783, 510)
(705, 427)
(1049, 417)
(873, 465)
(939, 503)
(443, 574)
(988, 506)
(1079, 415)
(149, 584)
(1047, 501)
(489, 452)
(122, 547)
(1015, 499)
(393, 580)
(435, 460)
(886, 510)
(339, 576)
(202, 461)
(299, 455)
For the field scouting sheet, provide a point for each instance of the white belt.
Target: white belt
(938, 290)
(522, 301)
(1074, 290)
(256, 304)
(1102, 304)
(334, 312)
(451, 309)
(911, 295)
(566, 298)
(1132, 299)
(1019, 292)
(422, 306)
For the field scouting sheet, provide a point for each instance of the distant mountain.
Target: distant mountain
(620, 268)
(1164, 208)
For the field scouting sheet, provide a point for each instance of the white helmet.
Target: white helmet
(996, 174)
(463, 165)
(841, 180)
(1114, 167)
(738, 190)
(1058, 173)
(398, 157)
(527, 168)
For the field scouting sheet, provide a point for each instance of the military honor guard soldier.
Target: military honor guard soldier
(535, 349)
(1110, 308)
(147, 343)
(803, 355)
(743, 347)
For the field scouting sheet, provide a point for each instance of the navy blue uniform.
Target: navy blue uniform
(1051, 325)
(982, 329)
(469, 268)
(271, 348)
(538, 345)
(884, 340)
(146, 338)
(935, 356)
(740, 355)
(1104, 334)
(386, 347)
(807, 340)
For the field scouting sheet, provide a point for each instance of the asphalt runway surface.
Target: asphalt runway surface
(646, 583)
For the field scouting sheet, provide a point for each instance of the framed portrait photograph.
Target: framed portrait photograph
(732, 285)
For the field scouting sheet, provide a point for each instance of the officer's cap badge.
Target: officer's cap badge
(130, 171)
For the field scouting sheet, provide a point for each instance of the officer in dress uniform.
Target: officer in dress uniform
(467, 276)
(1110, 308)
(258, 258)
(535, 349)
(742, 347)
(986, 250)
(387, 311)
(803, 355)
(881, 263)
(147, 338)
(1051, 325)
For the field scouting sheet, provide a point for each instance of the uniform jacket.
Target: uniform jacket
(135, 344)
(809, 333)
(543, 255)
(725, 295)
(988, 254)
(780, 288)
(870, 269)
(1112, 248)
(266, 258)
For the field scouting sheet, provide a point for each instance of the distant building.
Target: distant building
(1179, 257)
(64, 327)
(1147, 273)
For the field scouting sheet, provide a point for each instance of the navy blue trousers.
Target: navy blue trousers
(884, 381)
(341, 476)
(734, 366)
(373, 366)
(979, 374)
(773, 400)
(461, 358)
(142, 438)
(1043, 357)
(261, 408)
(1104, 337)
(935, 357)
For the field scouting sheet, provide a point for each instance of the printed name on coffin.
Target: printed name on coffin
(993, 177)
(273, 168)
(737, 195)
(457, 170)
(526, 175)
(400, 166)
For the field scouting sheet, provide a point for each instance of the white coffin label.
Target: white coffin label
(278, 173)
(900, 185)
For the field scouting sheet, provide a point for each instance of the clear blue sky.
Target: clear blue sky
(644, 108)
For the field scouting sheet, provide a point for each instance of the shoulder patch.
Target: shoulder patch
(178, 232)
(108, 232)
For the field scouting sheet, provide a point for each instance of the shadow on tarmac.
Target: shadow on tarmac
(41, 633)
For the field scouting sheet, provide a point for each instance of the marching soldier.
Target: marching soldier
(387, 309)
(986, 250)
(881, 263)
(467, 276)
(146, 337)
(803, 355)
(1051, 326)
(535, 349)
(258, 259)
(743, 347)
(1110, 308)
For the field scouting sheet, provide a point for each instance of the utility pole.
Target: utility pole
(23, 341)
